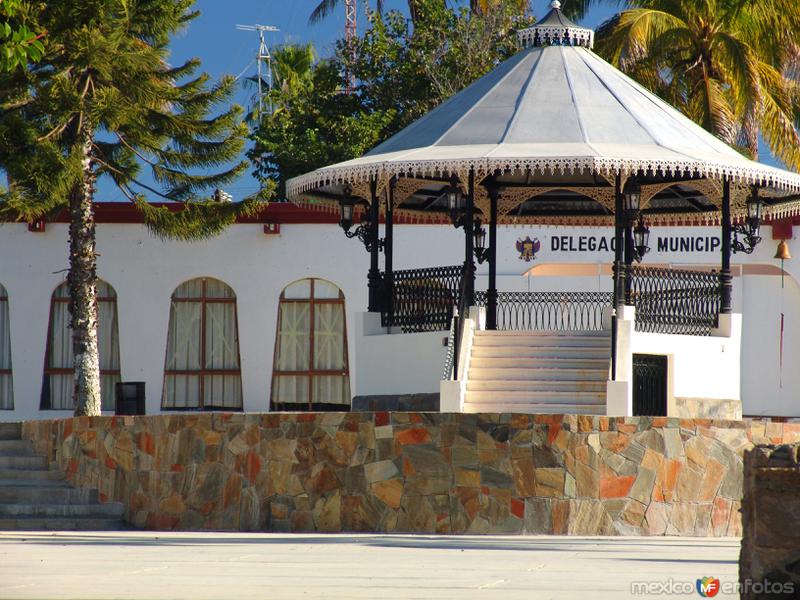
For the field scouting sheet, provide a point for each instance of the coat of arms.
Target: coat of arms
(528, 248)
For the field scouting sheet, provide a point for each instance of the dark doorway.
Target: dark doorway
(649, 385)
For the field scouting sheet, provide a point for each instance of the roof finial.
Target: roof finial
(555, 29)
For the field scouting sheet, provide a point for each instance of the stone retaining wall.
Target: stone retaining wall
(770, 553)
(414, 472)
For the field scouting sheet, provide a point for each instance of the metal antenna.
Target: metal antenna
(350, 34)
(263, 54)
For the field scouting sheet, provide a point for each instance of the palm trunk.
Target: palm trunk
(82, 286)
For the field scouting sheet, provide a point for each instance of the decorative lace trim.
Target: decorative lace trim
(555, 35)
(606, 167)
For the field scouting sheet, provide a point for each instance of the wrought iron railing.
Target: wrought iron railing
(421, 299)
(678, 301)
(450, 361)
(549, 311)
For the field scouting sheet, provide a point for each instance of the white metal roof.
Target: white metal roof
(552, 109)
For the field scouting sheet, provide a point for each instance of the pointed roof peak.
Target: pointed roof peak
(555, 29)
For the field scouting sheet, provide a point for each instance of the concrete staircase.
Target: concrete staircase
(538, 372)
(34, 496)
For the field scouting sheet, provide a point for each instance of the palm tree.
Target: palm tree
(292, 65)
(730, 65)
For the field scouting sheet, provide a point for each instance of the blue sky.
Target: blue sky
(223, 49)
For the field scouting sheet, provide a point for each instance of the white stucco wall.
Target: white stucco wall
(145, 270)
(397, 363)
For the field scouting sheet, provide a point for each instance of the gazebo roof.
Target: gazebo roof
(549, 119)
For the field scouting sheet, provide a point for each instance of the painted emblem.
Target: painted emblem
(528, 248)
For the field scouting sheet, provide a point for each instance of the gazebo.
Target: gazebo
(555, 135)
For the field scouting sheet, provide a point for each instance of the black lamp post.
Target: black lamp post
(364, 230)
(346, 207)
(751, 228)
(641, 239)
(479, 235)
(632, 194)
(456, 204)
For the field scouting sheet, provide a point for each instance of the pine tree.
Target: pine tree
(104, 102)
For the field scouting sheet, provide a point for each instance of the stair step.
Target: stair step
(44, 494)
(538, 362)
(541, 340)
(536, 351)
(537, 373)
(23, 462)
(10, 431)
(543, 333)
(37, 475)
(549, 397)
(27, 510)
(16, 448)
(535, 385)
(48, 483)
(547, 409)
(61, 524)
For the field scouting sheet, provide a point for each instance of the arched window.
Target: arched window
(310, 369)
(202, 365)
(6, 384)
(59, 366)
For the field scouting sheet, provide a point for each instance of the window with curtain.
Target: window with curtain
(310, 369)
(59, 366)
(202, 364)
(6, 385)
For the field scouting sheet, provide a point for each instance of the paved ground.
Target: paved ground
(276, 566)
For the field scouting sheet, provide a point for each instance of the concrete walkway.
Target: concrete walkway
(277, 566)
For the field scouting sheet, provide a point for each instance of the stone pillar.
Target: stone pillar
(491, 291)
(725, 278)
(770, 557)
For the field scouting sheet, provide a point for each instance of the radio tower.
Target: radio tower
(263, 55)
(349, 39)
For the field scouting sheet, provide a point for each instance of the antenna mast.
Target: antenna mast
(263, 54)
(350, 33)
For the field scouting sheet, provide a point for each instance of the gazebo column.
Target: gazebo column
(725, 278)
(629, 253)
(374, 275)
(618, 268)
(469, 255)
(491, 291)
(388, 248)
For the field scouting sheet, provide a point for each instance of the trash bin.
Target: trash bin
(129, 397)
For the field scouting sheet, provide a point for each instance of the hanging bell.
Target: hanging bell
(783, 251)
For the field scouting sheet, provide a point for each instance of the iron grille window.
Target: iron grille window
(310, 366)
(57, 386)
(202, 367)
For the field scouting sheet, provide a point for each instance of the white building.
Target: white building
(143, 273)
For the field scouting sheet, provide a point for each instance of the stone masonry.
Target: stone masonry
(414, 472)
(770, 553)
